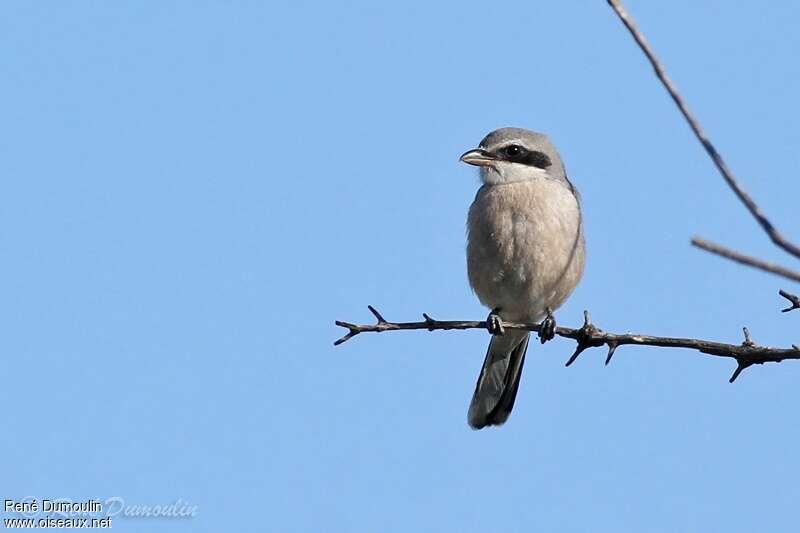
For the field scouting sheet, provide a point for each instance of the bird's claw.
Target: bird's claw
(547, 329)
(494, 323)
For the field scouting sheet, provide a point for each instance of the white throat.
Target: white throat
(506, 172)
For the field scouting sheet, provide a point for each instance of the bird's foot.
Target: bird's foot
(547, 329)
(494, 323)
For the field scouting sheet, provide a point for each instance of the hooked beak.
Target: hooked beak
(477, 157)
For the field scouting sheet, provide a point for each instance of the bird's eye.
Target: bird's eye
(513, 150)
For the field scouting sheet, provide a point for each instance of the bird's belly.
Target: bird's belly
(525, 251)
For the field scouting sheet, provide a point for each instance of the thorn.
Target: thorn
(796, 347)
(740, 365)
(612, 347)
(381, 320)
(429, 321)
(578, 350)
(585, 339)
(747, 340)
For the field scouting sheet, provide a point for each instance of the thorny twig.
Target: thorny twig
(589, 336)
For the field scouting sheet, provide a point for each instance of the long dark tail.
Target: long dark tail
(498, 382)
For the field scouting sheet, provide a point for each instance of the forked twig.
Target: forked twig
(589, 336)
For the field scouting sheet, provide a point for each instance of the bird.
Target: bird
(525, 255)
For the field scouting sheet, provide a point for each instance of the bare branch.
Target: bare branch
(726, 173)
(587, 336)
(739, 257)
(795, 301)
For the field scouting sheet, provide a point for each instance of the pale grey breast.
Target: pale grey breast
(525, 253)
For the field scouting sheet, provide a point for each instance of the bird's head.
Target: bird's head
(509, 155)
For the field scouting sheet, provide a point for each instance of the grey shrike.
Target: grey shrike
(525, 255)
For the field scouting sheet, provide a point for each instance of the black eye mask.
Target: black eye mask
(519, 154)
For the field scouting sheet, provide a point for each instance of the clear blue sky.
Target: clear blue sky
(193, 192)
